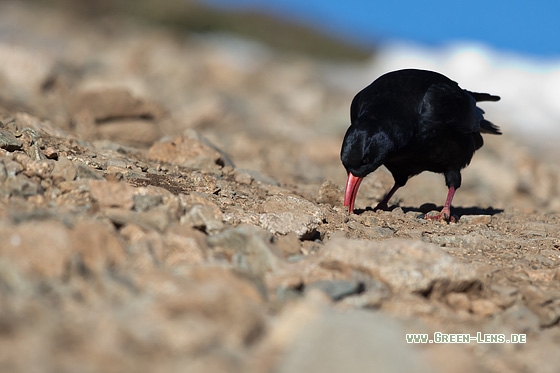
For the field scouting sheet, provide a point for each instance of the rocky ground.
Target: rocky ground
(174, 203)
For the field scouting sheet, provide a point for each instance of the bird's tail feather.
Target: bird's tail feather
(489, 127)
(483, 96)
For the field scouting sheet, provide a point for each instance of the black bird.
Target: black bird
(412, 121)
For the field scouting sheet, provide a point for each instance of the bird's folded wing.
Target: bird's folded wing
(445, 104)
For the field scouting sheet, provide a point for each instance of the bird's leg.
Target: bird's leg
(446, 211)
(383, 205)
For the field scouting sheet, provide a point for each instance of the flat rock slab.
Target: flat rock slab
(286, 214)
(354, 341)
(405, 265)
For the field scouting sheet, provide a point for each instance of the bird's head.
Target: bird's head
(363, 151)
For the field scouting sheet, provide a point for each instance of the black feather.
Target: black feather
(413, 121)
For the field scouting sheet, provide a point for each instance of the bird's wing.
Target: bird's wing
(361, 106)
(445, 104)
(355, 108)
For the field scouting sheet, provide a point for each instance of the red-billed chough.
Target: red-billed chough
(412, 121)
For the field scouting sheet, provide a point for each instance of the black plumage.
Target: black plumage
(412, 121)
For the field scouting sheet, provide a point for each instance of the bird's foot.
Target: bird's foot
(382, 206)
(445, 214)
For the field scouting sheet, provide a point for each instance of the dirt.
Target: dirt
(175, 204)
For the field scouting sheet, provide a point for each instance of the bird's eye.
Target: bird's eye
(366, 160)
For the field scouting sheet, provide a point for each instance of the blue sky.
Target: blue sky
(525, 27)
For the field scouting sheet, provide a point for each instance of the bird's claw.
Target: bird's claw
(443, 215)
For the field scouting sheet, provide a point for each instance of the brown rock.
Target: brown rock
(113, 103)
(288, 244)
(157, 218)
(98, 246)
(112, 194)
(184, 151)
(184, 246)
(37, 248)
(216, 306)
(484, 307)
(459, 301)
(133, 132)
(476, 219)
(331, 194)
(114, 113)
(204, 217)
(41, 168)
(145, 247)
(64, 170)
(24, 71)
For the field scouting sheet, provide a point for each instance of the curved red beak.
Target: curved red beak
(352, 186)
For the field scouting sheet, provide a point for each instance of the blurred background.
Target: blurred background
(509, 49)
(270, 82)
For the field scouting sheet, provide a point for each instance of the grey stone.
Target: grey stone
(305, 226)
(285, 214)
(146, 202)
(8, 141)
(3, 172)
(504, 296)
(203, 217)
(470, 241)
(289, 203)
(22, 186)
(372, 298)
(379, 232)
(251, 248)
(368, 232)
(337, 289)
(518, 319)
(12, 167)
(544, 304)
(11, 278)
(32, 143)
(116, 163)
(35, 152)
(86, 172)
(259, 177)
